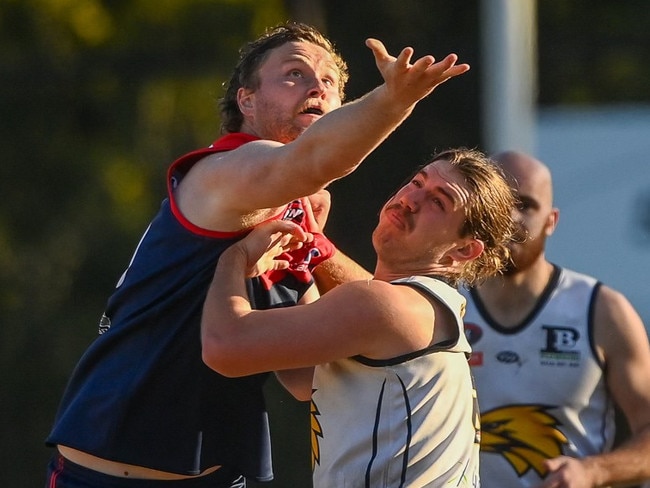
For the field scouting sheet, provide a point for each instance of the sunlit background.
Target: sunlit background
(98, 97)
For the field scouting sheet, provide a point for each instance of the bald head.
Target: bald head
(535, 213)
(530, 175)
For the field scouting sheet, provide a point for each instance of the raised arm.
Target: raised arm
(270, 174)
(337, 143)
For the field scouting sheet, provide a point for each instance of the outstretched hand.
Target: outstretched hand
(412, 82)
(269, 240)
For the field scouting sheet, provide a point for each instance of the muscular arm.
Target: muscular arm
(623, 343)
(223, 188)
(298, 381)
(337, 270)
(373, 318)
(238, 341)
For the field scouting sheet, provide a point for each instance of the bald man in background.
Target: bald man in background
(553, 351)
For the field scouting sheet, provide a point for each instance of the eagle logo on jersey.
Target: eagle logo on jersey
(316, 432)
(525, 435)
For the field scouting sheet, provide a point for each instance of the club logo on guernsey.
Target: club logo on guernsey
(525, 435)
(560, 346)
(294, 212)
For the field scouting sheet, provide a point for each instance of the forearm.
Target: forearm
(359, 127)
(626, 465)
(336, 144)
(225, 303)
(227, 293)
(336, 270)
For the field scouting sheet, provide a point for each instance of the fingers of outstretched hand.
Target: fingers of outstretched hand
(449, 68)
(378, 50)
(383, 58)
(409, 81)
(403, 60)
(310, 218)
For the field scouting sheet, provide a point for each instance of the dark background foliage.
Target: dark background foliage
(97, 97)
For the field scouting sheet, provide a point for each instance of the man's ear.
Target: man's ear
(245, 100)
(551, 221)
(471, 250)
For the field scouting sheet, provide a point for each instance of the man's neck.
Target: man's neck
(510, 299)
(391, 272)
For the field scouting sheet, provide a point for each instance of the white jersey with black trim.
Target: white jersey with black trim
(541, 388)
(410, 421)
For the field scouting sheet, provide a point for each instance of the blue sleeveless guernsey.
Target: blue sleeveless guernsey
(141, 394)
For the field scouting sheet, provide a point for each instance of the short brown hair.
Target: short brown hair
(253, 54)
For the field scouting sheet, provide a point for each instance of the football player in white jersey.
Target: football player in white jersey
(391, 393)
(553, 350)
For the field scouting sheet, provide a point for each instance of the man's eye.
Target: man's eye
(296, 73)
(523, 207)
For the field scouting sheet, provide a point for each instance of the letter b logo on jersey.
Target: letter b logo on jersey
(560, 339)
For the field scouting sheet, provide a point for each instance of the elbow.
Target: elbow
(220, 359)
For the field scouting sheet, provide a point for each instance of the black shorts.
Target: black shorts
(62, 473)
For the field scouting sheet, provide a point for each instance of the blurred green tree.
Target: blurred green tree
(97, 97)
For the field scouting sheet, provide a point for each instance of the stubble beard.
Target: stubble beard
(524, 255)
(278, 126)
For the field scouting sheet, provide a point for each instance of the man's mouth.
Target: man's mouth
(312, 111)
(397, 217)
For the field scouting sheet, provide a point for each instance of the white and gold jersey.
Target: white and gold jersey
(410, 421)
(541, 389)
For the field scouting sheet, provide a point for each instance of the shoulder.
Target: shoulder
(575, 278)
(437, 289)
(617, 324)
(243, 154)
(379, 304)
(372, 295)
(612, 305)
(381, 293)
(399, 318)
(219, 191)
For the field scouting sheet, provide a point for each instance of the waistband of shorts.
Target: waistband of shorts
(221, 478)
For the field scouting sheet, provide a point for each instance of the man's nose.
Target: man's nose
(411, 200)
(317, 88)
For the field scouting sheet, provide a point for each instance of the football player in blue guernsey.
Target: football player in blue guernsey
(553, 350)
(383, 360)
(141, 408)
